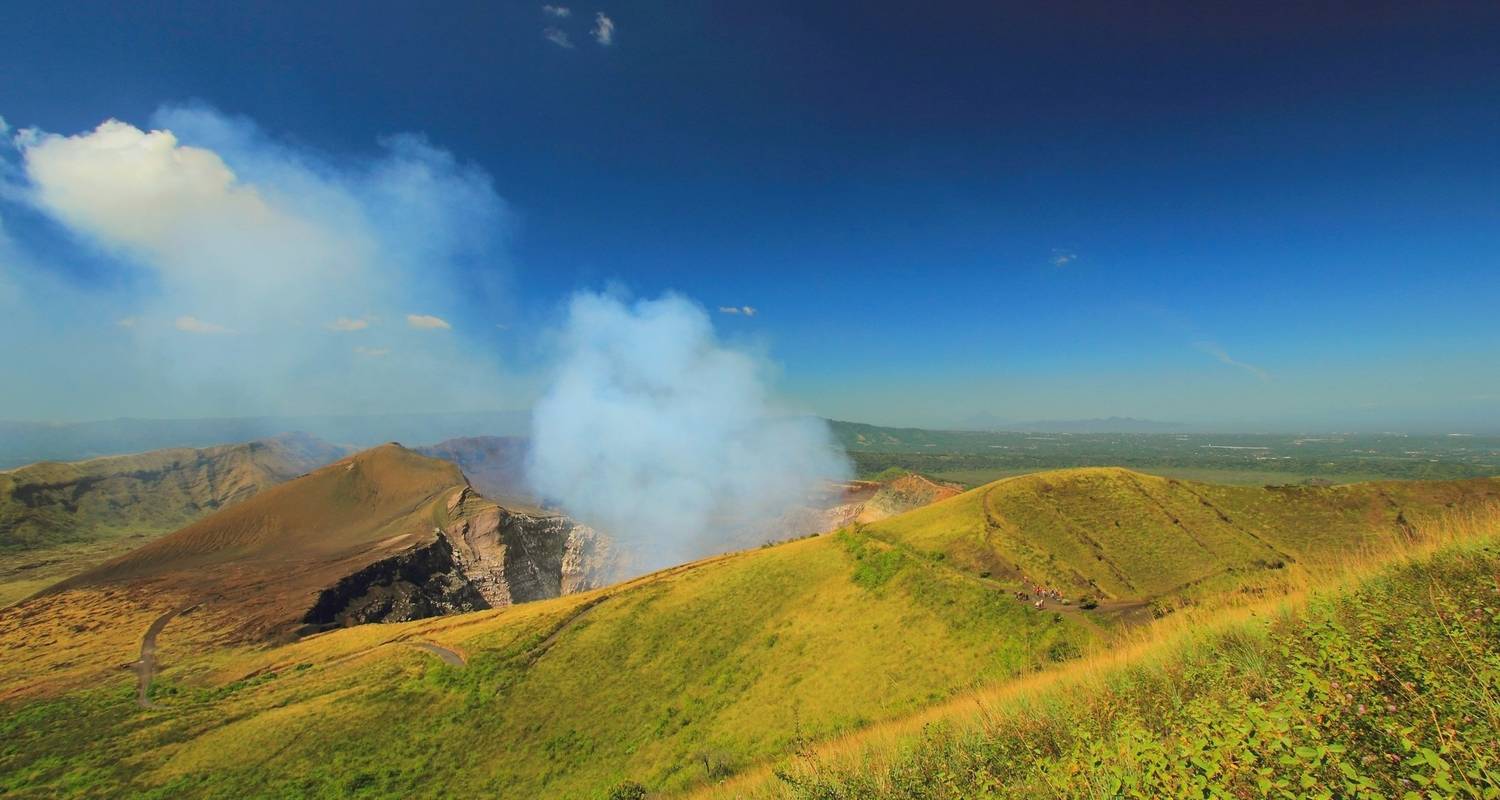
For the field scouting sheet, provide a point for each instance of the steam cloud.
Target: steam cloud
(665, 439)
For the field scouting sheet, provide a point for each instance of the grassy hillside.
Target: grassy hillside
(671, 680)
(1384, 686)
(60, 518)
(1115, 535)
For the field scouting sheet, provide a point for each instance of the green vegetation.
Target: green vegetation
(1390, 689)
(890, 474)
(702, 673)
(978, 457)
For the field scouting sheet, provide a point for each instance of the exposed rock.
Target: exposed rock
(486, 556)
(421, 582)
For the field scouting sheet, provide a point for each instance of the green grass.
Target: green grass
(1390, 689)
(671, 681)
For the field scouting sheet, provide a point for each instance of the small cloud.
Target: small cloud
(604, 29)
(4, 126)
(561, 12)
(191, 324)
(558, 37)
(1213, 349)
(372, 352)
(748, 311)
(729, 309)
(346, 324)
(1062, 258)
(128, 322)
(427, 322)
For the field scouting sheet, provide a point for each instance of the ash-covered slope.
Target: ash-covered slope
(384, 535)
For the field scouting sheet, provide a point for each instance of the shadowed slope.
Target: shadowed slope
(51, 502)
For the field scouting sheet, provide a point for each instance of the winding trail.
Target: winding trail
(579, 613)
(145, 666)
(449, 656)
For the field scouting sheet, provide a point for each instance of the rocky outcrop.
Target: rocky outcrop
(514, 556)
(485, 556)
(419, 583)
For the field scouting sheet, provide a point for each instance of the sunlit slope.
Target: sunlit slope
(262, 561)
(58, 519)
(670, 680)
(1116, 534)
(1375, 683)
(697, 671)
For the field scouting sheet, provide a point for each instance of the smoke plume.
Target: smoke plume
(665, 439)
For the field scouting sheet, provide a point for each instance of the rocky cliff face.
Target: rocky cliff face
(485, 556)
(421, 582)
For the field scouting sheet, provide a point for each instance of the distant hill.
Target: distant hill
(494, 465)
(386, 534)
(986, 422)
(26, 442)
(673, 680)
(57, 518)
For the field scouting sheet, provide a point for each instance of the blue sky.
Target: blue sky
(1231, 217)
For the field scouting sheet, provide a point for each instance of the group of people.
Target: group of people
(1040, 594)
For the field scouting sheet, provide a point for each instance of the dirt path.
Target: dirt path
(449, 657)
(145, 667)
(546, 644)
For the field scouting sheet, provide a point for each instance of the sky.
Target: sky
(1218, 214)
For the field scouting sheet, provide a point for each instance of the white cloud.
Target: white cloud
(128, 322)
(1062, 258)
(207, 213)
(558, 37)
(1223, 357)
(372, 352)
(427, 322)
(561, 12)
(182, 211)
(748, 311)
(191, 324)
(345, 324)
(604, 29)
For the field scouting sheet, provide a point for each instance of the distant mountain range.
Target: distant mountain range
(988, 422)
(28, 442)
